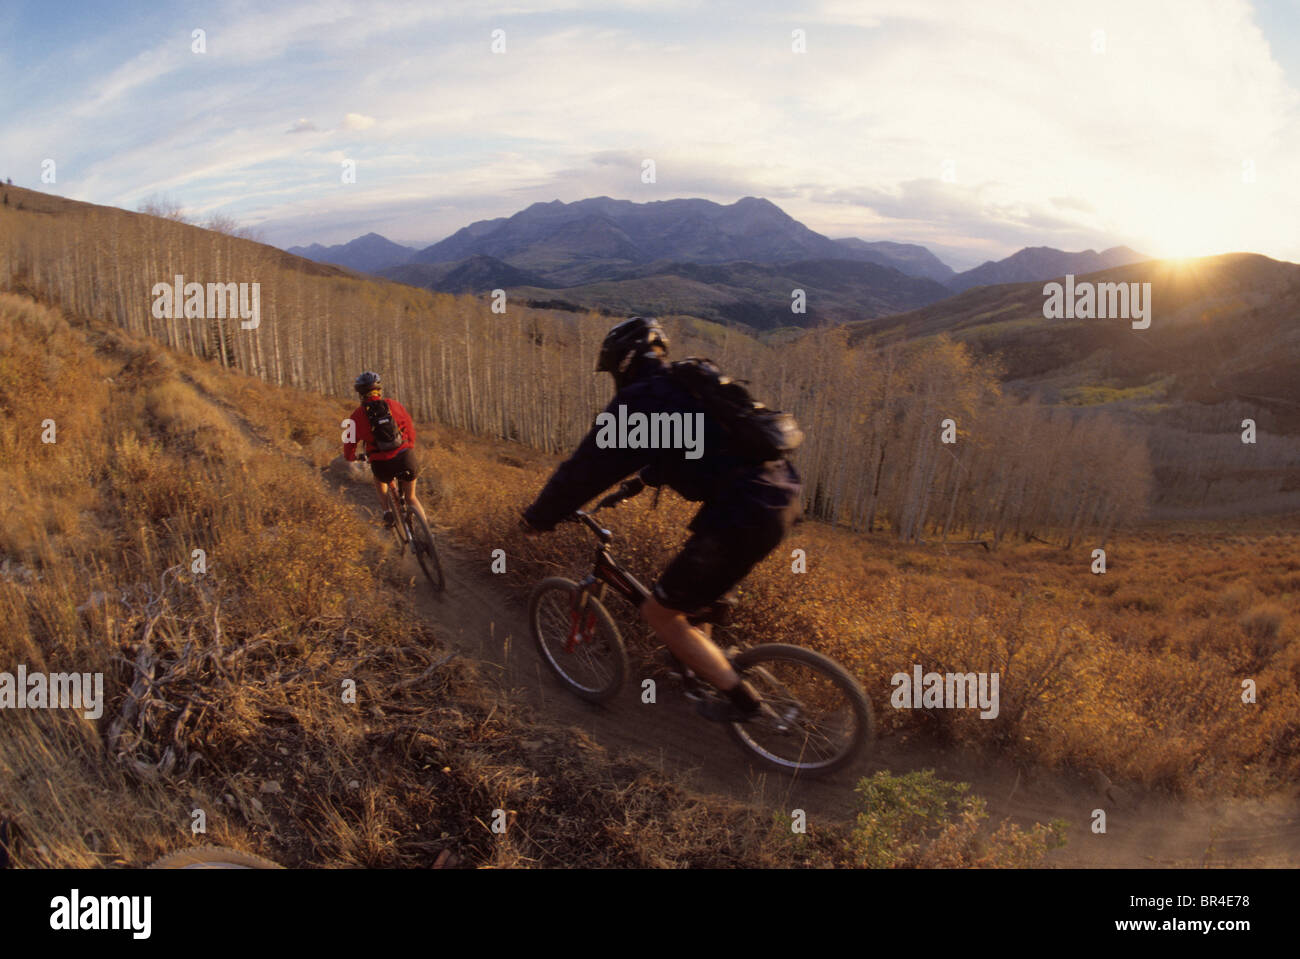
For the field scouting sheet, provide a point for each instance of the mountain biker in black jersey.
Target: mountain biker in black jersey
(747, 507)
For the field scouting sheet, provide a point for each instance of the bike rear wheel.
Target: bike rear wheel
(816, 719)
(577, 638)
(426, 553)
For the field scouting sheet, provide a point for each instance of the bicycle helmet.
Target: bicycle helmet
(628, 341)
(366, 382)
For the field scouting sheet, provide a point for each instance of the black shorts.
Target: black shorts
(729, 538)
(402, 466)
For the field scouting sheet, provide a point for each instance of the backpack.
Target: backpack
(753, 431)
(387, 435)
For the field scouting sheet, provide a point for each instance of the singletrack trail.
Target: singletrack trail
(488, 623)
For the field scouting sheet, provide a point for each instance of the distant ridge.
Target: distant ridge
(366, 254)
(1043, 263)
(907, 258)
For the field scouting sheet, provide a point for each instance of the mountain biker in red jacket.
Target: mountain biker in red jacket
(386, 465)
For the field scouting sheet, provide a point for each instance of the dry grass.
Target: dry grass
(224, 688)
(1137, 672)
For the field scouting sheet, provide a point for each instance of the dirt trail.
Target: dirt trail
(485, 622)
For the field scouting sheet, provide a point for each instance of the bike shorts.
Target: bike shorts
(730, 535)
(401, 467)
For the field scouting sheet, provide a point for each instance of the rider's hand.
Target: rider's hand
(626, 490)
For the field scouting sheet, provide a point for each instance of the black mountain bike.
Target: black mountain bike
(815, 717)
(412, 529)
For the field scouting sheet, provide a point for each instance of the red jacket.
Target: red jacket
(363, 434)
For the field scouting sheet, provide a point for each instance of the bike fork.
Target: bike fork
(582, 620)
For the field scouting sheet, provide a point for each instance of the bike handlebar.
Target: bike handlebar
(602, 534)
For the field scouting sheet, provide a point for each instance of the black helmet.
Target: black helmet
(628, 340)
(366, 382)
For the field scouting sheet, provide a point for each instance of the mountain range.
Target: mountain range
(737, 263)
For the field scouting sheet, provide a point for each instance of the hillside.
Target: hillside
(222, 684)
(1167, 402)
(909, 258)
(264, 637)
(1223, 346)
(225, 444)
(474, 274)
(525, 374)
(1221, 327)
(749, 294)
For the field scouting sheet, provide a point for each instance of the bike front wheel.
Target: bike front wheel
(577, 638)
(816, 718)
(426, 553)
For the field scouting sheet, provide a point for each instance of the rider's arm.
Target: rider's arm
(651, 475)
(589, 471)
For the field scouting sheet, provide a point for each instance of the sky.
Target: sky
(1172, 126)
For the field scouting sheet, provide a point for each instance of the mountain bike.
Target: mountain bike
(815, 717)
(411, 528)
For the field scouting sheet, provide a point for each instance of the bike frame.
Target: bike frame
(400, 512)
(606, 573)
(606, 570)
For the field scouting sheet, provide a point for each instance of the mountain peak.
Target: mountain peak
(367, 253)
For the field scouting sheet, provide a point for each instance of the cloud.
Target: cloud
(1073, 203)
(1050, 142)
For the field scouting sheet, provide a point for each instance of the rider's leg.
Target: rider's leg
(690, 645)
(710, 564)
(408, 491)
(385, 503)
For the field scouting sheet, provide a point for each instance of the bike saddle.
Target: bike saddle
(718, 612)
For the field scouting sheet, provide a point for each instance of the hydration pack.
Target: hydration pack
(753, 431)
(387, 435)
